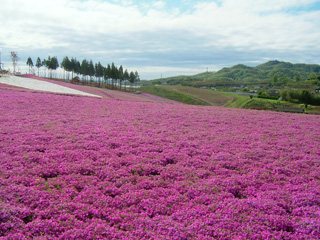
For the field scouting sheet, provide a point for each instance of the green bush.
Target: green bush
(268, 94)
(300, 96)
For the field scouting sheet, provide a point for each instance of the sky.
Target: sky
(162, 38)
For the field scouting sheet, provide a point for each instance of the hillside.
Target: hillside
(76, 167)
(208, 97)
(276, 72)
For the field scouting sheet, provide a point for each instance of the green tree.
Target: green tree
(84, 68)
(73, 66)
(45, 64)
(107, 74)
(297, 78)
(77, 68)
(274, 80)
(38, 64)
(132, 78)
(66, 64)
(30, 64)
(120, 75)
(306, 97)
(113, 74)
(312, 76)
(137, 77)
(52, 64)
(99, 72)
(126, 77)
(91, 70)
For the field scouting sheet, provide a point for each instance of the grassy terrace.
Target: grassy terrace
(207, 97)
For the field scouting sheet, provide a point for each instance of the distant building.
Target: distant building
(317, 90)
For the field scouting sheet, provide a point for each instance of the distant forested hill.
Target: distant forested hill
(275, 72)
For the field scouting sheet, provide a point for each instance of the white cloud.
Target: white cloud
(98, 27)
(163, 72)
(159, 4)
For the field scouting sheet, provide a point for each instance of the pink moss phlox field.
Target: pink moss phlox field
(86, 168)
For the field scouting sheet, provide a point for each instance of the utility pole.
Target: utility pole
(14, 58)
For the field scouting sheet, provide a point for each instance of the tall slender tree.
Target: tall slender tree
(77, 69)
(45, 63)
(113, 74)
(131, 78)
(91, 70)
(66, 64)
(84, 69)
(120, 75)
(99, 72)
(107, 74)
(126, 78)
(73, 66)
(30, 64)
(136, 78)
(38, 64)
(52, 64)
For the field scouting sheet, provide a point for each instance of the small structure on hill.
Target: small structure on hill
(75, 80)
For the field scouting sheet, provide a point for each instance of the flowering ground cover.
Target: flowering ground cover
(88, 168)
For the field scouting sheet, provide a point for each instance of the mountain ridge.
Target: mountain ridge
(265, 72)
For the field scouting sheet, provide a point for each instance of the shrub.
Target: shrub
(269, 94)
(300, 96)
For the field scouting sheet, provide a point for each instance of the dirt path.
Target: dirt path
(43, 86)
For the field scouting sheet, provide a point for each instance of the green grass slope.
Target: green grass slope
(197, 96)
(206, 97)
(168, 92)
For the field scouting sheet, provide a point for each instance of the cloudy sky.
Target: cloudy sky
(163, 37)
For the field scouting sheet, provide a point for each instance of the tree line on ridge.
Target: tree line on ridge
(87, 73)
